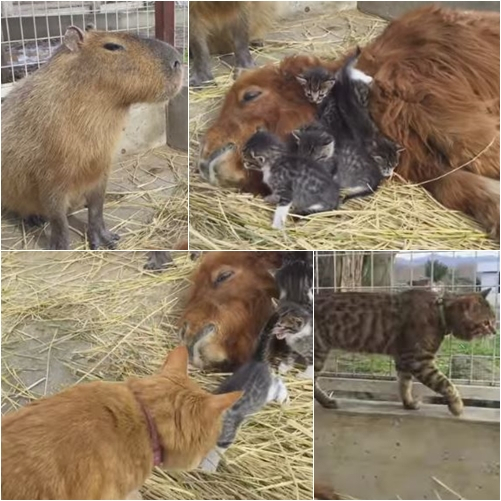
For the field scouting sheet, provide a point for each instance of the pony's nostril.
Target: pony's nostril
(203, 166)
(182, 331)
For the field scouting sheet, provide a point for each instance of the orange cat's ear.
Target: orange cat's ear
(220, 403)
(177, 360)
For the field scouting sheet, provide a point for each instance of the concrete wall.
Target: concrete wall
(381, 451)
(391, 10)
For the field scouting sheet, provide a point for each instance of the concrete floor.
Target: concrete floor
(381, 451)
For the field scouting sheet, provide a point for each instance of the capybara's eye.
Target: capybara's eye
(113, 46)
(251, 95)
(224, 275)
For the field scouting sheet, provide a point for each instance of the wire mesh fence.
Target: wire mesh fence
(475, 362)
(31, 31)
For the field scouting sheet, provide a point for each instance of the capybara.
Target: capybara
(61, 125)
(225, 27)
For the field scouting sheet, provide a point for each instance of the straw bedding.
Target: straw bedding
(70, 317)
(398, 216)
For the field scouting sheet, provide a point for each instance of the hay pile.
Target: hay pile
(398, 216)
(100, 316)
(146, 204)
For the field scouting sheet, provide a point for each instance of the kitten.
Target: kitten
(352, 94)
(101, 440)
(259, 386)
(316, 83)
(295, 313)
(295, 181)
(409, 326)
(351, 167)
(312, 141)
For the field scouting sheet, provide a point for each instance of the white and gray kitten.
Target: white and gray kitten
(259, 385)
(295, 312)
(295, 181)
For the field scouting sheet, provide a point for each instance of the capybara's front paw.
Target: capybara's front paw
(103, 240)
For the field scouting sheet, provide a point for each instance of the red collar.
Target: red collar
(156, 446)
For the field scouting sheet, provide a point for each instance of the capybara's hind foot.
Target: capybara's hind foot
(34, 220)
(104, 239)
(158, 261)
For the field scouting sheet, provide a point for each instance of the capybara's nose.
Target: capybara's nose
(176, 65)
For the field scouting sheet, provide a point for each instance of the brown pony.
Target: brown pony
(435, 92)
(229, 302)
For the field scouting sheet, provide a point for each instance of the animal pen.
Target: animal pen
(371, 430)
(74, 317)
(147, 191)
(400, 215)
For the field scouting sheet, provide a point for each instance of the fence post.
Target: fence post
(165, 21)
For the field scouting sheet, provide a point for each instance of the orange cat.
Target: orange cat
(101, 440)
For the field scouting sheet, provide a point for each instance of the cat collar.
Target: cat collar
(158, 450)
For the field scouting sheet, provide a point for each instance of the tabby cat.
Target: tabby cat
(316, 83)
(409, 326)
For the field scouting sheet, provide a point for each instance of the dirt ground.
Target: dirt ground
(73, 317)
(146, 204)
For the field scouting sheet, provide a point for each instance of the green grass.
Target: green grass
(381, 365)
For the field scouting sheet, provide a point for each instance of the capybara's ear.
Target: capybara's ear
(73, 38)
(177, 361)
(219, 403)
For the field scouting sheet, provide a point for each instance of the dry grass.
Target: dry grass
(398, 216)
(146, 204)
(71, 317)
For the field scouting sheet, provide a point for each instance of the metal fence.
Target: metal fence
(31, 31)
(464, 362)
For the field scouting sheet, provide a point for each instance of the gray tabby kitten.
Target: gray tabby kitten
(352, 95)
(260, 386)
(295, 311)
(317, 83)
(344, 111)
(295, 181)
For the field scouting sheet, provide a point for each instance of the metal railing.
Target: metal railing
(31, 31)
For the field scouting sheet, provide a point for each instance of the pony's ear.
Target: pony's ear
(486, 292)
(301, 79)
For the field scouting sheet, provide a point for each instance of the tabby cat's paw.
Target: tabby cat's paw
(456, 407)
(413, 406)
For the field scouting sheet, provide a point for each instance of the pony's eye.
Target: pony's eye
(223, 276)
(251, 95)
(113, 46)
